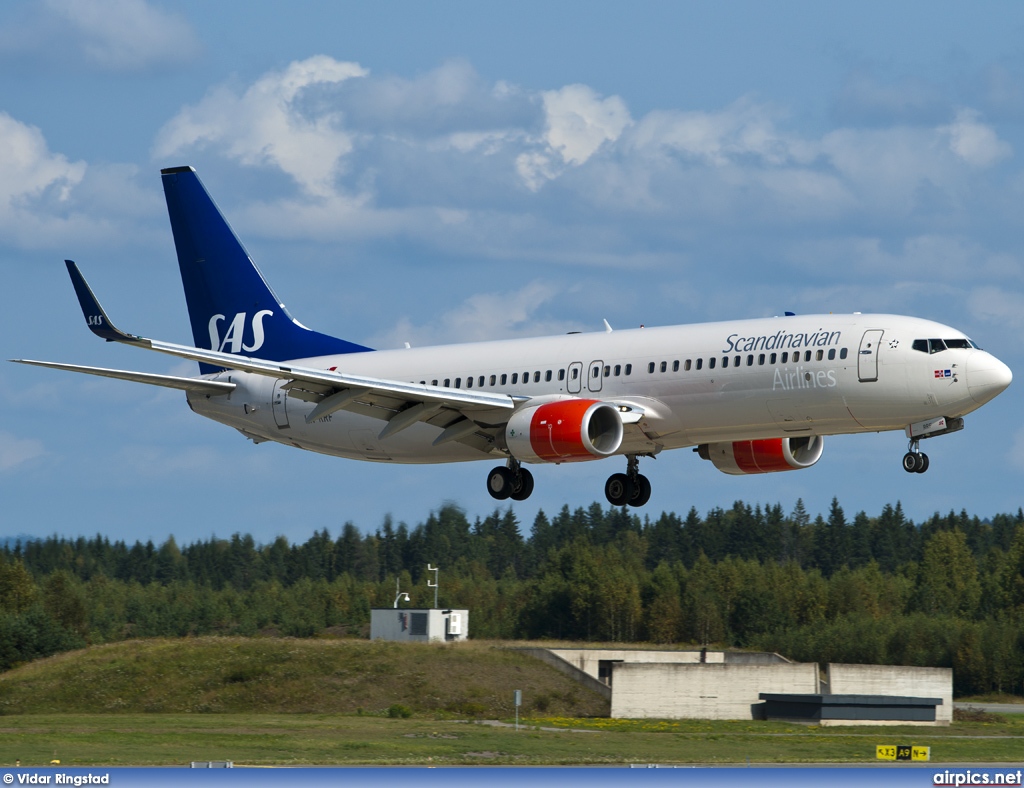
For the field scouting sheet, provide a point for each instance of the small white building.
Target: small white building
(418, 625)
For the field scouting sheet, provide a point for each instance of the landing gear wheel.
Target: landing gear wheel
(922, 463)
(910, 462)
(523, 490)
(641, 491)
(618, 489)
(499, 483)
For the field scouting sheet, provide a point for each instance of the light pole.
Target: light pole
(433, 585)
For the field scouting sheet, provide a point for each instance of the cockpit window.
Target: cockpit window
(929, 345)
(959, 344)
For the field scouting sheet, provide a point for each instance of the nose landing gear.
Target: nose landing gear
(915, 460)
(511, 481)
(630, 488)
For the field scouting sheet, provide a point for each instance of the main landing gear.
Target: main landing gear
(510, 481)
(631, 488)
(915, 460)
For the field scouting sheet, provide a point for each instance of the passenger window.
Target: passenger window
(664, 366)
(687, 365)
(773, 358)
(447, 382)
(458, 383)
(575, 373)
(711, 363)
(750, 360)
(831, 354)
(433, 383)
(607, 371)
(725, 362)
(736, 361)
(629, 368)
(842, 353)
(547, 376)
(526, 377)
(675, 366)
(785, 356)
(480, 382)
(760, 360)
(618, 370)
(504, 378)
(807, 355)
(650, 368)
(469, 382)
(536, 376)
(595, 371)
(515, 378)
(819, 355)
(700, 363)
(561, 374)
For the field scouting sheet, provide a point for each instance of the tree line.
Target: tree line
(948, 591)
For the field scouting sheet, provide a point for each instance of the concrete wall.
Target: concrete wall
(895, 680)
(399, 624)
(562, 665)
(588, 659)
(708, 692)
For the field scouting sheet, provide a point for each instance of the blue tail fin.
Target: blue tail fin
(230, 305)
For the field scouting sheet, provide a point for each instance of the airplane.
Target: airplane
(751, 396)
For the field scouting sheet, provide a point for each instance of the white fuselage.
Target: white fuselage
(703, 383)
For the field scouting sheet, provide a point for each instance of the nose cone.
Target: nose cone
(987, 376)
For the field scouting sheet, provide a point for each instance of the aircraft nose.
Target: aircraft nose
(987, 376)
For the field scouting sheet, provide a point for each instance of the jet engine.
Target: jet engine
(569, 430)
(763, 456)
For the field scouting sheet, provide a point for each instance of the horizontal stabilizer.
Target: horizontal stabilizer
(167, 381)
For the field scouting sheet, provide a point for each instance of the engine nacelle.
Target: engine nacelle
(764, 456)
(569, 430)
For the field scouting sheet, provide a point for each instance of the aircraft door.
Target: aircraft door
(595, 376)
(575, 381)
(279, 402)
(867, 357)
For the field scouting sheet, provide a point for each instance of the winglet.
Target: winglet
(95, 317)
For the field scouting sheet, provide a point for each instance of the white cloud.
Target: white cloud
(17, 451)
(36, 188)
(29, 168)
(113, 35)
(268, 125)
(741, 130)
(998, 305)
(974, 142)
(481, 317)
(577, 123)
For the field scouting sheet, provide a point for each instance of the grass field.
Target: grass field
(313, 739)
(327, 702)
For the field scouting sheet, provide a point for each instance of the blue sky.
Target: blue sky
(453, 171)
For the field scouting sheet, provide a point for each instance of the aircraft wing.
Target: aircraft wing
(460, 413)
(168, 381)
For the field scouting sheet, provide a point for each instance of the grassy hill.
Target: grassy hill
(285, 676)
